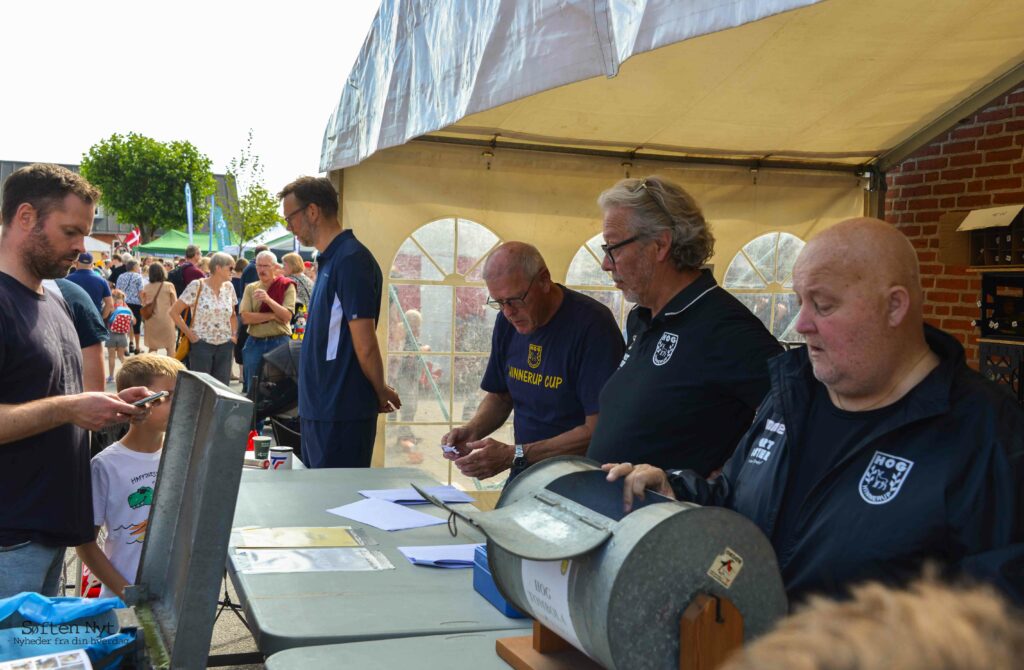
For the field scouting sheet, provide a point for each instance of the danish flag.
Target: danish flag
(133, 238)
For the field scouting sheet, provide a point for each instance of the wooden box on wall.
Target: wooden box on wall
(1000, 245)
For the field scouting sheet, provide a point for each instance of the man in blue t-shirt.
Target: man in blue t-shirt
(93, 284)
(551, 352)
(341, 373)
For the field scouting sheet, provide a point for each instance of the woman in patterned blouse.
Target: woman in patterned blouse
(214, 324)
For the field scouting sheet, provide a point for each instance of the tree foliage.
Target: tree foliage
(143, 181)
(256, 210)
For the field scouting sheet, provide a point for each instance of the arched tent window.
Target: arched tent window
(761, 276)
(439, 339)
(586, 276)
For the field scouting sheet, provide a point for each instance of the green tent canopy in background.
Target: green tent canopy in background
(173, 243)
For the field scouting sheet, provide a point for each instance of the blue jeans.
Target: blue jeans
(252, 354)
(30, 567)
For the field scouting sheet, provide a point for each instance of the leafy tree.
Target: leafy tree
(257, 209)
(143, 181)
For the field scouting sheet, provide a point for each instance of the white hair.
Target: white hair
(267, 254)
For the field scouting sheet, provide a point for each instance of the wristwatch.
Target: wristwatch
(519, 460)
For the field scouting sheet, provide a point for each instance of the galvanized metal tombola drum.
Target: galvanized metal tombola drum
(615, 586)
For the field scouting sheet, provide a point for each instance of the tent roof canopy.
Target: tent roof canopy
(837, 84)
(173, 243)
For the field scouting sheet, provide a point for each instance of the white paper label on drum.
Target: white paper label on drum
(726, 567)
(547, 589)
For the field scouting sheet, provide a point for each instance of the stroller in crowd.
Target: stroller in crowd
(274, 392)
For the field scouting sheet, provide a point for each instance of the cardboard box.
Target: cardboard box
(954, 247)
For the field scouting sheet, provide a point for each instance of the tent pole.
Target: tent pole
(633, 155)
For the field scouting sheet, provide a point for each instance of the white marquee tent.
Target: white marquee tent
(779, 116)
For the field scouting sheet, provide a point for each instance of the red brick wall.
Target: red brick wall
(977, 164)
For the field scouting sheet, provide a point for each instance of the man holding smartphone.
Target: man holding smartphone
(45, 488)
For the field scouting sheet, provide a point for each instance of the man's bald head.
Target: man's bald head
(860, 311)
(867, 252)
(513, 259)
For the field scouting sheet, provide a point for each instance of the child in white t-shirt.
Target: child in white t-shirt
(124, 478)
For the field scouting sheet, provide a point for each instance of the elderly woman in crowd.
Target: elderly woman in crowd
(214, 323)
(295, 270)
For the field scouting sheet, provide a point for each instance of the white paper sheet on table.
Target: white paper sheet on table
(385, 515)
(318, 559)
(448, 494)
(441, 556)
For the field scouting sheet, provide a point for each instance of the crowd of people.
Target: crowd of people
(862, 456)
(124, 285)
(61, 305)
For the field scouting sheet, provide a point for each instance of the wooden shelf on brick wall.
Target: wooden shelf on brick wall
(979, 269)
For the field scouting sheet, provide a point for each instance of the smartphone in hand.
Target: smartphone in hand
(151, 399)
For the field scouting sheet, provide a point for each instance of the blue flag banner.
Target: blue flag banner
(221, 226)
(188, 210)
(209, 231)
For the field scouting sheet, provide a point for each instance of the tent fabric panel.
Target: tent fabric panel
(424, 66)
(839, 80)
(836, 81)
(550, 199)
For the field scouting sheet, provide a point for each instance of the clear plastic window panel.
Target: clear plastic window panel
(439, 340)
(419, 315)
(474, 320)
(412, 263)
(474, 243)
(761, 277)
(585, 269)
(438, 240)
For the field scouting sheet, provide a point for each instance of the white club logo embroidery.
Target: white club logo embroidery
(883, 478)
(666, 346)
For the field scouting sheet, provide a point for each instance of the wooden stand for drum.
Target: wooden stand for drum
(710, 629)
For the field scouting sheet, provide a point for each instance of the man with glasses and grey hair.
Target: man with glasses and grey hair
(552, 350)
(695, 367)
(267, 307)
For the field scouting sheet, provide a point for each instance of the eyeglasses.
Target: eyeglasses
(609, 248)
(515, 303)
(657, 201)
(287, 217)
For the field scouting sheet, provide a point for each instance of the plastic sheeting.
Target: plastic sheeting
(427, 64)
(838, 81)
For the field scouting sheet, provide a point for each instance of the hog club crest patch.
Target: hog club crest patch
(533, 355)
(883, 478)
(666, 346)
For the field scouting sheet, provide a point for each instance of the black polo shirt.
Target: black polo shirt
(689, 383)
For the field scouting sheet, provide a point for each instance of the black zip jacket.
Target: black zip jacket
(940, 479)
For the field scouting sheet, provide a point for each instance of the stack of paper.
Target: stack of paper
(441, 556)
(385, 515)
(448, 494)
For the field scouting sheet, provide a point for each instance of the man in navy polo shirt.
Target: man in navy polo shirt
(878, 448)
(551, 351)
(341, 374)
(93, 284)
(695, 367)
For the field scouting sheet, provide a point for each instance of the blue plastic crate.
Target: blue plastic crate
(484, 584)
